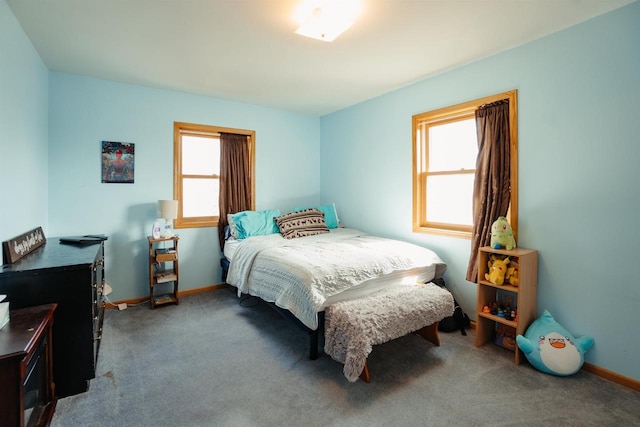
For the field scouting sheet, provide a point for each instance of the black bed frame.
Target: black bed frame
(314, 334)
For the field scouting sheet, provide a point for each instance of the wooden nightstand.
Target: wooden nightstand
(163, 271)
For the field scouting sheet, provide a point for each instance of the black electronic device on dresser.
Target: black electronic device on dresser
(72, 276)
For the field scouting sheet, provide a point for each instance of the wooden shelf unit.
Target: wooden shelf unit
(524, 295)
(163, 269)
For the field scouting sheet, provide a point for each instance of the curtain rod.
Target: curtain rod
(492, 104)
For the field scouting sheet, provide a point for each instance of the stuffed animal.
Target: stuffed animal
(551, 349)
(497, 271)
(513, 276)
(502, 234)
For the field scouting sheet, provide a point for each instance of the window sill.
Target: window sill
(443, 232)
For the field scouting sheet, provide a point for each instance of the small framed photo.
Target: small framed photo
(118, 161)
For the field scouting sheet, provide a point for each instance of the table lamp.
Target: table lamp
(168, 210)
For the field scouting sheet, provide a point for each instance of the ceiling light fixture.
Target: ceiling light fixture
(326, 19)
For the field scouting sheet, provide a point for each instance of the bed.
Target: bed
(302, 276)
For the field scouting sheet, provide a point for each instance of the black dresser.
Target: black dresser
(72, 276)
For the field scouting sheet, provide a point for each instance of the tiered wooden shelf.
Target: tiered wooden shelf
(524, 296)
(163, 270)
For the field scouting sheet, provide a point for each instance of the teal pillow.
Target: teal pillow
(256, 223)
(233, 218)
(329, 211)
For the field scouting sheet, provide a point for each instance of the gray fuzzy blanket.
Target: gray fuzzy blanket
(352, 328)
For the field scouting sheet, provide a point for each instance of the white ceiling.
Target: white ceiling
(246, 50)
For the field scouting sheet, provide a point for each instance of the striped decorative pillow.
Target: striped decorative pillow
(308, 222)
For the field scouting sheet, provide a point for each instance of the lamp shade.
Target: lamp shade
(168, 209)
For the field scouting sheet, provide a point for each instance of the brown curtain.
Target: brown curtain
(492, 191)
(235, 178)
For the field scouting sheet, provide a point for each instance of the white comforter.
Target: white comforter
(303, 274)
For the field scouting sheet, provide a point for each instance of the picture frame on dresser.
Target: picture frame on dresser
(22, 245)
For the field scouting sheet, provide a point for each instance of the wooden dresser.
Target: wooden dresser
(72, 277)
(27, 392)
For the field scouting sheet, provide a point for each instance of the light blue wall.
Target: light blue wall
(578, 94)
(85, 111)
(23, 131)
(579, 150)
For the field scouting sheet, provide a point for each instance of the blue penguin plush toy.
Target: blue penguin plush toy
(550, 348)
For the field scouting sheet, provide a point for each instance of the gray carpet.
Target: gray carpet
(211, 361)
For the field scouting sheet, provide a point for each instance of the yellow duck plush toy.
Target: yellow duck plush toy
(497, 271)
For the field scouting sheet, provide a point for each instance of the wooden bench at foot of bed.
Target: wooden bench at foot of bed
(429, 333)
(352, 328)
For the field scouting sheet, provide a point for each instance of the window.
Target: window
(196, 173)
(445, 148)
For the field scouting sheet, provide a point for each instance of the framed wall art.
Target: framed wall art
(118, 162)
